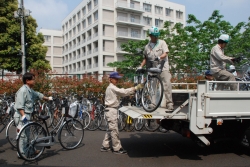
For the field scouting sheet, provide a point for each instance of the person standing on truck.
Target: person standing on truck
(24, 102)
(218, 63)
(112, 96)
(157, 49)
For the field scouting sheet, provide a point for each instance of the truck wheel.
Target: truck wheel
(246, 138)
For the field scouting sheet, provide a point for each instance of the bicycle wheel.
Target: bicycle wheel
(71, 134)
(11, 133)
(84, 118)
(95, 120)
(121, 120)
(151, 125)
(130, 124)
(56, 119)
(152, 94)
(48, 112)
(103, 124)
(139, 124)
(4, 122)
(26, 141)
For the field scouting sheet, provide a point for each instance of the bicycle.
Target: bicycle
(151, 94)
(33, 138)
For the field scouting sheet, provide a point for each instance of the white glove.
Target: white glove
(50, 98)
(24, 119)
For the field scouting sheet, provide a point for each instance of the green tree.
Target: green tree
(190, 46)
(40, 65)
(10, 39)
(133, 58)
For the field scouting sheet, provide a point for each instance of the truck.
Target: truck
(206, 116)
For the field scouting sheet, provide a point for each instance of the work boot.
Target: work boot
(105, 149)
(121, 151)
(169, 109)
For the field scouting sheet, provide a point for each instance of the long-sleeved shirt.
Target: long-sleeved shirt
(218, 60)
(113, 93)
(25, 98)
(154, 50)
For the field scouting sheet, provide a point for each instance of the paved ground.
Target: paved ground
(144, 149)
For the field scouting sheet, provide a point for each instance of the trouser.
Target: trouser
(24, 137)
(224, 75)
(166, 80)
(112, 134)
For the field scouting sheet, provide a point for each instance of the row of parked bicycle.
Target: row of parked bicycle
(89, 111)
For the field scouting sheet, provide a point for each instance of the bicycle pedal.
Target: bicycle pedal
(48, 147)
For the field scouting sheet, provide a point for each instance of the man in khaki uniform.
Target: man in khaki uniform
(158, 49)
(112, 103)
(218, 63)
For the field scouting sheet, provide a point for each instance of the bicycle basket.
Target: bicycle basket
(73, 109)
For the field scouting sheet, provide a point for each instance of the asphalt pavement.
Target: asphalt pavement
(144, 149)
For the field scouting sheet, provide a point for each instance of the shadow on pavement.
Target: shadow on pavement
(173, 144)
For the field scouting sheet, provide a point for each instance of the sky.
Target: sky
(50, 13)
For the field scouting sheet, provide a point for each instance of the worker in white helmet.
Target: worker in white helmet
(218, 63)
(158, 49)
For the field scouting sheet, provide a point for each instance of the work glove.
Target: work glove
(138, 69)
(24, 119)
(139, 86)
(157, 58)
(50, 98)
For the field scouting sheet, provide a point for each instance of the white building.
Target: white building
(95, 29)
(54, 42)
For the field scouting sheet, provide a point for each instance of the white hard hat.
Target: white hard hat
(224, 37)
(154, 31)
(232, 67)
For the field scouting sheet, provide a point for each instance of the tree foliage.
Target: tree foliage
(10, 39)
(190, 46)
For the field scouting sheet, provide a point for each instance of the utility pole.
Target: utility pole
(22, 39)
(22, 13)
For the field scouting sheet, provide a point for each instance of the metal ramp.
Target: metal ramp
(159, 113)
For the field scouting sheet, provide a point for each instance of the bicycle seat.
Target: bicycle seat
(43, 117)
(154, 70)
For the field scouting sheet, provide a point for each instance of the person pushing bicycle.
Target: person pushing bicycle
(112, 95)
(24, 101)
(157, 49)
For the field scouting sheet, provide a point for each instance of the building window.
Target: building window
(158, 10)
(95, 2)
(83, 11)
(158, 23)
(89, 20)
(147, 20)
(79, 15)
(179, 15)
(78, 28)
(47, 38)
(96, 15)
(135, 33)
(169, 12)
(147, 7)
(89, 7)
(74, 19)
(84, 24)
(132, 5)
